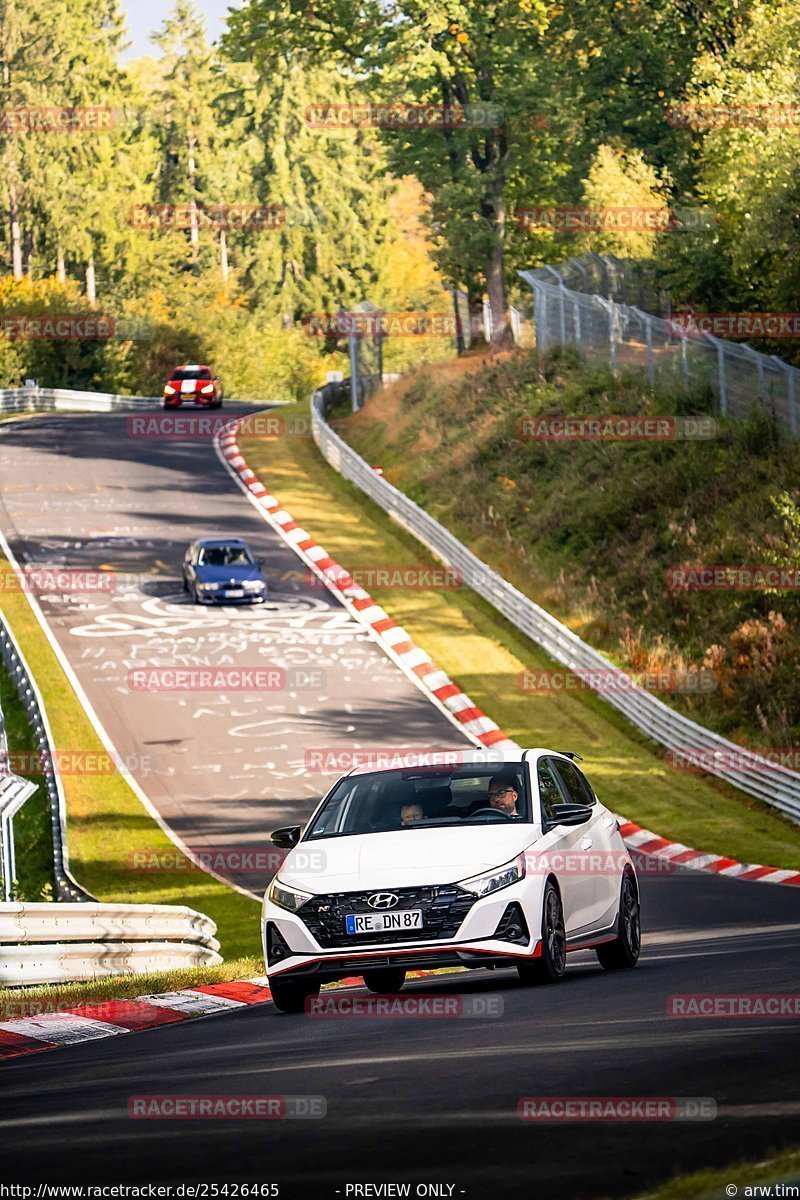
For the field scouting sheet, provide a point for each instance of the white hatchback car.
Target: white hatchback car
(475, 864)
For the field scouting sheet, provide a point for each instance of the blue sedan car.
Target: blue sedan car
(223, 571)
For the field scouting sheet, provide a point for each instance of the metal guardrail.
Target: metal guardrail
(66, 399)
(56, 943)
(750, 772)
(66, 886)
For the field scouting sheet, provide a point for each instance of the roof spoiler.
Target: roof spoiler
(571, 754)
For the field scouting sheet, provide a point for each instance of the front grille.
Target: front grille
(443, 910)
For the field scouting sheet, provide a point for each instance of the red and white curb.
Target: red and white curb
(440, 689)
(677, 855)
(109, 1018)
(395, 641)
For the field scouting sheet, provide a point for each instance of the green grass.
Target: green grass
(485, 655)
(590, 529)
(46, 997)
(106, 822)
(711, 1184)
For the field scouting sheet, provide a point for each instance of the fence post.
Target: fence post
(684, 362)
(353, 352)
(723, 381)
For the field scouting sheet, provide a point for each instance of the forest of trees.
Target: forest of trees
(556, 104)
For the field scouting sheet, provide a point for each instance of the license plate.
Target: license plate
(235, 593)
(380, 922)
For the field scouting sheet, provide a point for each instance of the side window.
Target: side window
(548, 788)
(575, 786)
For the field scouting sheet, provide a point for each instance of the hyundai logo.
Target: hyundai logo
(383, 900)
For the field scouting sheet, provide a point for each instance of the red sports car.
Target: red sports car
(193, 384)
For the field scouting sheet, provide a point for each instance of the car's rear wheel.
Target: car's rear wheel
(290, 995)
(623, 952)
(550, 967)
(386, 982)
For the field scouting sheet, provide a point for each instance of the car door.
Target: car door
(600, 867)
(562, 848)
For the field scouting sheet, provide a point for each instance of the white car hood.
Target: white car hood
(403, 858)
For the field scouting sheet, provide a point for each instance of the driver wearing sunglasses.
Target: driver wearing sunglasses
(504, 794)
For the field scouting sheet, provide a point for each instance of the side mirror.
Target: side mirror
(570, 814)
(261, 560)
(287, 837)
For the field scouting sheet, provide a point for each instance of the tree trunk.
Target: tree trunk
(91, 291)
(477, 336)
(61, 270)
(194, 236)
(223, 256)
(30, 251)
(15, 231)
(494, 210)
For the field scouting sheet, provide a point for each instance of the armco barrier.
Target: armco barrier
(67, 399)
(758, 777)
(66, 887)
(57, 943)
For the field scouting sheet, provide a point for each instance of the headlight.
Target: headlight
(169, 390)
(285, 896)
(254, 585)
(209, 587)
(493, 881)
(207, 389)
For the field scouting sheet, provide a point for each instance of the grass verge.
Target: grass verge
(711, 1184)
(106, 822)
(44, 998)
(485, 655)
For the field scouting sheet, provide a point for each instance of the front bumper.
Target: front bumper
(190, 401)
(217, 598)
(290, 947)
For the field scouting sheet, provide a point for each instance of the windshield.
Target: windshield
(225, 556)
(387, 801)
(190, 373)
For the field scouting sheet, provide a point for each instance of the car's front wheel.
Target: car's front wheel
(387, 982)
(550, 967)
(290, 995)
(623, 952)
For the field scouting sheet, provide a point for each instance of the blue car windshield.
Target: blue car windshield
(225, 556)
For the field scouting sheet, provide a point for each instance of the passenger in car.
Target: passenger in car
(503, 793)
(411, 814)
